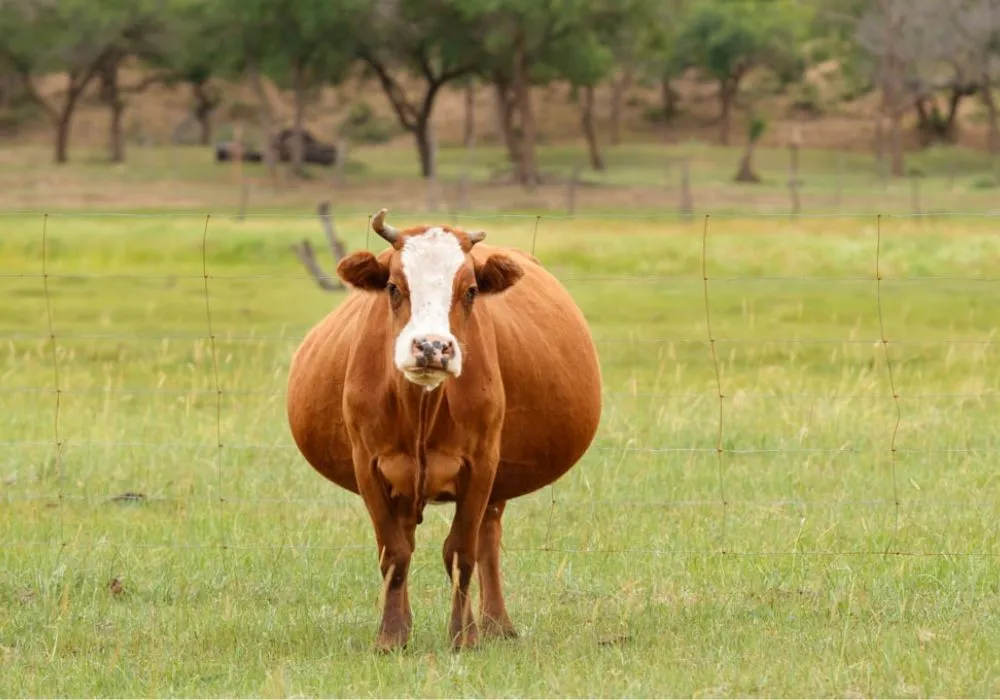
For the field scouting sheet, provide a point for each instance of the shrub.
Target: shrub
(362, 125)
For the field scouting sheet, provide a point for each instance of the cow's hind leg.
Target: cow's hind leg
(494, 620)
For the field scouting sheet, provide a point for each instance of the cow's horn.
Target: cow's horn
(476, 237)
(389, 233)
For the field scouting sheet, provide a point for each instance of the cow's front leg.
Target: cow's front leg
(394, 536)
(461, 546)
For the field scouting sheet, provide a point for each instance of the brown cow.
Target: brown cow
(459, 373)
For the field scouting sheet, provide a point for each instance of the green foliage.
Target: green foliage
(73, 35)
(805, 97)
(727, 39)
(986, 182)
(199, 48)
(431, 39)
(756, 128)
(18, 114)
(309, 38)
(362, 125)
(568, 39)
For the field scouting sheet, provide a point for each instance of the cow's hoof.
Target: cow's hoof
(388, 646)
(466, 640)
(496, 629)
(389, 640)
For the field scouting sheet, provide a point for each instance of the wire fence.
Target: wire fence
(216, 391)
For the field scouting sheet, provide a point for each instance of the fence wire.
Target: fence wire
(217, 390)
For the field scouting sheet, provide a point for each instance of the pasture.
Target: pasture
(828, 526)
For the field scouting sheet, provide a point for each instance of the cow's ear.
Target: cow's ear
(497, 273)
(364, 271)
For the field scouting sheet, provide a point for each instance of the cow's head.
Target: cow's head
(430, 282)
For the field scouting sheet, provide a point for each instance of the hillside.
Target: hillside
(153, 115)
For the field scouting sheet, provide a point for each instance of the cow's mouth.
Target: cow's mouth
(426, 376)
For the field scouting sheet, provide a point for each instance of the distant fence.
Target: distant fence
(218, 390)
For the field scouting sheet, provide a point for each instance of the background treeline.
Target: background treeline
(919, 62)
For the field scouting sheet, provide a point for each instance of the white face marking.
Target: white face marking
(430, 262)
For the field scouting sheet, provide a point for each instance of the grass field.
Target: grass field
(844, 542)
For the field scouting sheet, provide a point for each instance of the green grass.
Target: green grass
(656, 567)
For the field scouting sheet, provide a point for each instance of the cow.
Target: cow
(453, 372)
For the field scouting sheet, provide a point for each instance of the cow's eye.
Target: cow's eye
(393, 292)
(470, 294)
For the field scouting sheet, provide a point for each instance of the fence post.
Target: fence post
(793, 170)
(432, 193)
(470, 152)
(342, 147)
(686, 206)
(238, 172)
(838, 184)
(574, 179)
(915, 193)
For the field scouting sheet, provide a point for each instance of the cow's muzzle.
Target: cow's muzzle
(431, 360)
(432, 352)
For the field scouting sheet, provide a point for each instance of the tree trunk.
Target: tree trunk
(669, 97)
(879, 145)
(425, 149)
(62, 132)
(110, 95)
(898, 165)
(266, 122)
(587, 119)
(203, 107)
(893, 83)
(298, 146)
(746, 172)
(618, 88)
(470, 114)
(415, 118)
(527, 167)
(993, 135)
(726, 94)
(505, 118)
(117, 134)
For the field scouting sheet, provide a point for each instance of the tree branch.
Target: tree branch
(304, 252)
(404, 110)
(148, 81)
(24, 73)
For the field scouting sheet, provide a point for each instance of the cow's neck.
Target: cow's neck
(420, 408)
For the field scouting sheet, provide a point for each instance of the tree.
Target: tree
(75, 37)
(586, 57)
(527, 42)
(925, 50)
(659, 57)
(585, 62)
(755, 129)
(196, 55)
(624, 28)
(432, 40)
(301, 44)
(143, 36)
(726, 40)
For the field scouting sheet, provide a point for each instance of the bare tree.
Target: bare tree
(926, 50)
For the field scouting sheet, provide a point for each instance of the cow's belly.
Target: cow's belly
(553, 408)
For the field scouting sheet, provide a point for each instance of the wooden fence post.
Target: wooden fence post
(793, 171)
(686, 206)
